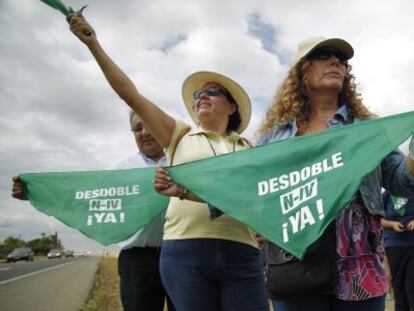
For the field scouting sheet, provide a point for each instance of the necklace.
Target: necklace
(214, 212)
(214, 150)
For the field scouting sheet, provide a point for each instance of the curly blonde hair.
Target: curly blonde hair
(291, 98)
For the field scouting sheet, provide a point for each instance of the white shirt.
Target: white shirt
(150, 235)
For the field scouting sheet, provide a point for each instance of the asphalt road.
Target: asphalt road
(58, 284)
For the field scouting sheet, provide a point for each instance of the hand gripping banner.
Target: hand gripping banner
(288, 191)
(107, 206)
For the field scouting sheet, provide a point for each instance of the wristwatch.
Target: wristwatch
(183, 194)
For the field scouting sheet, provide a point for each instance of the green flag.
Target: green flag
(107, 206)
(58, 5)
(399, 204)
(289, 191)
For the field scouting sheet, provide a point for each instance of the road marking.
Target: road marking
(3, 269)
(34, 273)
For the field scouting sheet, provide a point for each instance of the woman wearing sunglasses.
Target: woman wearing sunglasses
(208, 261)
(319, 93)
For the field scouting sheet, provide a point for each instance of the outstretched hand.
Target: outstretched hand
(164, 185)
(18, 189)
(81, 28)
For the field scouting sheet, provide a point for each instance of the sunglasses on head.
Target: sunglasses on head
(210, 91)
(324, 54)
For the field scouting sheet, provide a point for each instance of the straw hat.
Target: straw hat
(197, 80)
(308, 45)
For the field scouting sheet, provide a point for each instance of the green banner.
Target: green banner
(107, 206)
(399, 204)
(58, 5)
(288, 191)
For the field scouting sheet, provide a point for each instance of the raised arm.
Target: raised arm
(160, 124)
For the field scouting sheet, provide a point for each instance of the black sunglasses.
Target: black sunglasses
(210, 91)
(324, 54)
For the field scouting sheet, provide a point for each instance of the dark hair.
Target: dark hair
(132, 113)
(234, 119)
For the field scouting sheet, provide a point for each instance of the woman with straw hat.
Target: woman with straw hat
(319, 93)
(205, 264)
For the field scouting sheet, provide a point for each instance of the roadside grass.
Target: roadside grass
(105, 291)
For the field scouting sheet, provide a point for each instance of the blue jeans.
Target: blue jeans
(401, 261)
(213, 275)
(329, 303)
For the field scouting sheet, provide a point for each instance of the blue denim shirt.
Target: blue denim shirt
(392, 174)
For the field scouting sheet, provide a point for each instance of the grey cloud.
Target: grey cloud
(268, 36)
(171, 42)
(57, 112)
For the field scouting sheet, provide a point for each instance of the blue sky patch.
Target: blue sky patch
(171, 42)
(268, 36)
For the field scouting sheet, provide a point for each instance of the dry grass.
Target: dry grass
(105, 292)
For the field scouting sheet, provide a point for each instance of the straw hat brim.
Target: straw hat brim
(198, 79)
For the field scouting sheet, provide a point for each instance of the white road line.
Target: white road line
(34, 273)
(4, 269)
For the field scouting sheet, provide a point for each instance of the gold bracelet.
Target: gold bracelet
(183, 194)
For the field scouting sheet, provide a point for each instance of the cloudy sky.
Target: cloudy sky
(57, 112)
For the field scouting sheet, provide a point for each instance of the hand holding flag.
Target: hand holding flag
(81, 28)
(78, 25)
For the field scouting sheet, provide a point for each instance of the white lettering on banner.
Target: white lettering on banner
(99, 217)
(105, 218)
(285, 181)
(400, 202)
(291, 200)
(110, 217)
(294, 221)
(105, 205)
(107, 192)
(306, 217)
(302, 219)
(285, 232)
(319, 207)
(106, 211)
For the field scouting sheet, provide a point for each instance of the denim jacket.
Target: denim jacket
(392, 174)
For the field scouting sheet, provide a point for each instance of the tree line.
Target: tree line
(40, 246)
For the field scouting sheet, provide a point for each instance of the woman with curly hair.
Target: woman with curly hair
(319, 93)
